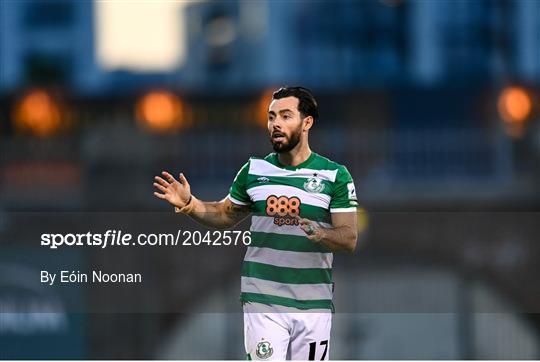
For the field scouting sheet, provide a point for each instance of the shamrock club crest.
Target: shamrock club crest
(314, 184)
(264, 350)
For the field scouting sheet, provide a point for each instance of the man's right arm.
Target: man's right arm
(221, 214)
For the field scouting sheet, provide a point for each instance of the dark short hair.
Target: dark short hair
(307, 105)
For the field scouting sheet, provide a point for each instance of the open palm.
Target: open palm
(175, 192)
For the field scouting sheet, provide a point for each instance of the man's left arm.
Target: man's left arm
(343, 233)
(342, 236)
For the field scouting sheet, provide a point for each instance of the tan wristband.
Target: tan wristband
(187, 207)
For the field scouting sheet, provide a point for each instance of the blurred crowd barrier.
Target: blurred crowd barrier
(112, 167)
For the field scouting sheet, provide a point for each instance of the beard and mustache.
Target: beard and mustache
(283, 143)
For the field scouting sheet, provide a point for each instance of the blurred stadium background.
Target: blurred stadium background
(432, 105)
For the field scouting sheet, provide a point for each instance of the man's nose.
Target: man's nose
(277, 124)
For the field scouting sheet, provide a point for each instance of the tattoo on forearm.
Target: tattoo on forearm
(235, 211)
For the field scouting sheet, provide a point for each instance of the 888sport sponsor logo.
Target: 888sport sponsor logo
(285, 210)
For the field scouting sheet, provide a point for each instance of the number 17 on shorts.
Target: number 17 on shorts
(281, 336)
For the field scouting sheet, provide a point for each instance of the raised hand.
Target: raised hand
(178, 193)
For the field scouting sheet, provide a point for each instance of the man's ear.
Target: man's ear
(308, 123)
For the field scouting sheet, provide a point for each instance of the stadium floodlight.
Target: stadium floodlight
(261, 108)
(160, 112)
(363, 220)
(38, 113)
(515, 108)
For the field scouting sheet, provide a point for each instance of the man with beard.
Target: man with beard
(303, 208)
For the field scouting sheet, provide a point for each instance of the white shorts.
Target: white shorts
(287, 334)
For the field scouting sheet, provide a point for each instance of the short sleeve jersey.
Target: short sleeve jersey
(282, 266)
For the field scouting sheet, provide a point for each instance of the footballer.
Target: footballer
(303, 208)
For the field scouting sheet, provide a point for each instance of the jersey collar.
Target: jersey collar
(311, 157)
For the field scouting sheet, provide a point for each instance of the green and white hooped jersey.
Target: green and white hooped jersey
(282, 266)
